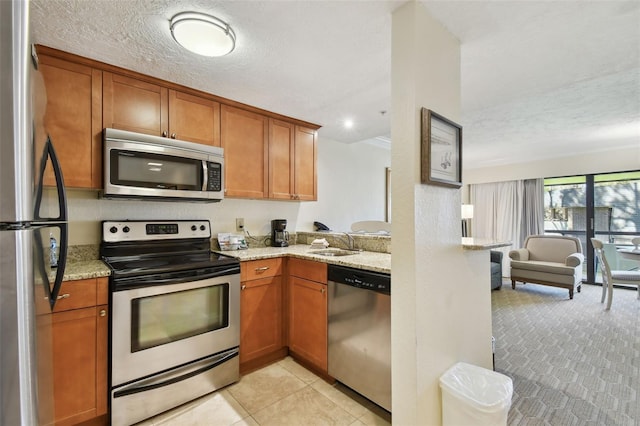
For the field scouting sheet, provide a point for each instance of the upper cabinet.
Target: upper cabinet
(138, 106)
(193, 118)
(267, 156)
(244, 136)
(72, 117)
(281, 160)
(305, 164)
(134, 105)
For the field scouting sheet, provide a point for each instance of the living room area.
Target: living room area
(572, 360)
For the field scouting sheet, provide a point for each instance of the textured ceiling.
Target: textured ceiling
(539, 79)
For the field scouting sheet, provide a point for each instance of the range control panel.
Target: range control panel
(129, 230)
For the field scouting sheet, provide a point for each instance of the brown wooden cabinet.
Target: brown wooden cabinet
(244, 137)
(261, 333)
(292, 162)
(308, 312)
(72, 117)
(134, 105)
(281, 160)
(193, 118)
(267, 156)
(305, 164)
(138, 106)
(79, 340)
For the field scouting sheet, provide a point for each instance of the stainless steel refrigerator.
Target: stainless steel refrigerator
(33, 229)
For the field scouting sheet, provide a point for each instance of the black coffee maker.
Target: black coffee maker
(279, 235)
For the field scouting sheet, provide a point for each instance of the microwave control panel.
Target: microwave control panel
(214, 178)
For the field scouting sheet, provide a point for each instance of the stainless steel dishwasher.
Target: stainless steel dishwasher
(360, 332)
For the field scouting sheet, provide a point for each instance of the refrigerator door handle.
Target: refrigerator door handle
(50, 152)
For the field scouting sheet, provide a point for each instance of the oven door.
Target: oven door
(155, 328)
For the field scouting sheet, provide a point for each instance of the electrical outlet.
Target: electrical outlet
(239, 224)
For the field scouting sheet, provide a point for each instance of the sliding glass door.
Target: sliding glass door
(605, 206)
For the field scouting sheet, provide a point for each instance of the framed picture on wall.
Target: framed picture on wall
(441, 146)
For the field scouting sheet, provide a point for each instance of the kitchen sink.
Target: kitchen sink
(334, 252)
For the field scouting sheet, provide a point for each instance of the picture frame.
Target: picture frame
(441, 150)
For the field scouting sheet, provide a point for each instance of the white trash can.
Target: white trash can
(475, 396)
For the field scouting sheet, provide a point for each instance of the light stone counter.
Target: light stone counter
(483, 244)
(366, 260)
(83, 270)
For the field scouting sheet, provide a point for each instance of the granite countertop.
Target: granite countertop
(366, 260)
(483, 244)
(81, 270)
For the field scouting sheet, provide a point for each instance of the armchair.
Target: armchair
(551, 260)
(496, 269)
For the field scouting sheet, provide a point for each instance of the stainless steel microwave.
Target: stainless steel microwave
(152, 167)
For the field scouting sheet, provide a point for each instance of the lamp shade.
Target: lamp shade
(467, 211)
(203, 34)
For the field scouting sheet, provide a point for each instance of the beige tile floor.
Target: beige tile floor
(284, 393)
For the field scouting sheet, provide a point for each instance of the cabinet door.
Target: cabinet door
(308, 321)
(281, 172)
(74, 362)
(244, 136)
(194, 119)
(72, 117)
(102, 352)
(305, 164)
(134, 105)
(260, 317)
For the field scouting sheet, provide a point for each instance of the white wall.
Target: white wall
(350, 188)
(441, 304)
(597, 162)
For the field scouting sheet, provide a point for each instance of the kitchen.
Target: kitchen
(91, 210)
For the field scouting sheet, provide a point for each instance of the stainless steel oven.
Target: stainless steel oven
(174, 333)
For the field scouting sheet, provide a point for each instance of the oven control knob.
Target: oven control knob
(126, 229)
(113, 229)
(193, 227)
(202, 227)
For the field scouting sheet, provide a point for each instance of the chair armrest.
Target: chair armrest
(519, 254)
(574, 259)
(496, 256)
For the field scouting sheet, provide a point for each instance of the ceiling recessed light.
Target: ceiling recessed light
(348, 123)
(202, 34)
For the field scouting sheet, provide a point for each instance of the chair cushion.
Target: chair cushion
(625, 275)
(549, 267)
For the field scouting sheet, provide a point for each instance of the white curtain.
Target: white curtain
(507, 211)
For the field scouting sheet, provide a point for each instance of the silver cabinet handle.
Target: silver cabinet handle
(64, 296)
(103, 313)
(322, 290)
(164, 133)
(173, 135)
(243, 287)
(264, 268)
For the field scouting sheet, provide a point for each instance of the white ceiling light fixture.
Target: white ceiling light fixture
(203, 34)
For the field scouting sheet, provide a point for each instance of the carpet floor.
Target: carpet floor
(571, 361)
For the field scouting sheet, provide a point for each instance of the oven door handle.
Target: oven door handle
(174, 376)
(130, 283)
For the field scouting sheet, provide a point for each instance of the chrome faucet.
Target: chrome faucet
(349, 241)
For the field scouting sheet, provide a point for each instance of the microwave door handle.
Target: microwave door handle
(205, 181)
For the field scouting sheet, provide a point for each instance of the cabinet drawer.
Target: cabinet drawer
(308, 269)
(77, 294)
(255, 269)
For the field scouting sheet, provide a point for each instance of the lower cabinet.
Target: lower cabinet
(308, 312)
(261, 332)
(79, 340)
